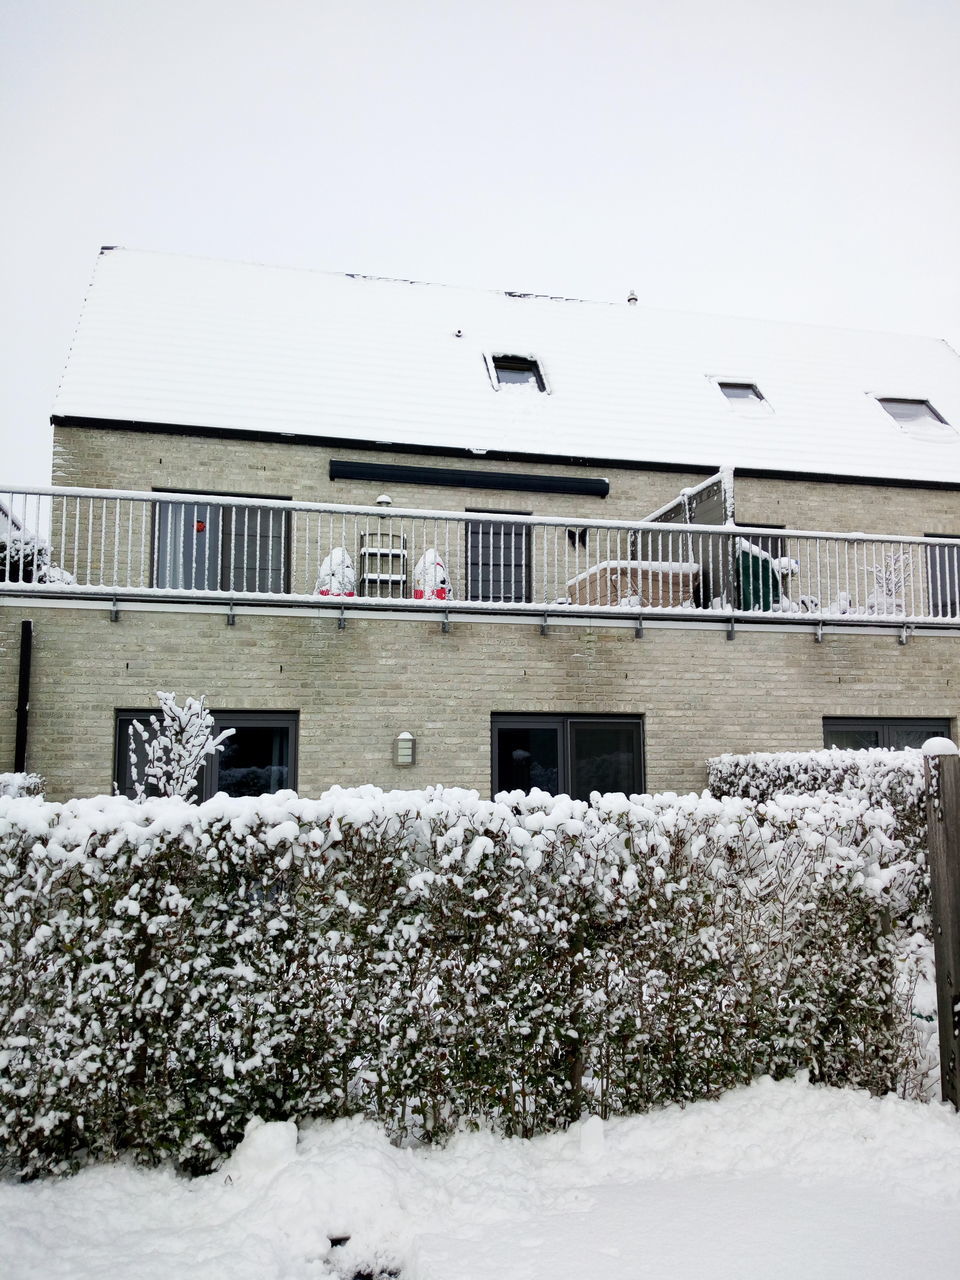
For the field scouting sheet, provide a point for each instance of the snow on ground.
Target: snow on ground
(779, 1180)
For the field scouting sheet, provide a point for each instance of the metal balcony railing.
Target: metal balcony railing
(179, 546)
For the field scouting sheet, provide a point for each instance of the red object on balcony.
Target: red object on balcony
(201, 526)
(440, 593)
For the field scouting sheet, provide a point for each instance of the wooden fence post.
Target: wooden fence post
(943, 826)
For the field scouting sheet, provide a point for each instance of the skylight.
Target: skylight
(918, 418)
(518, 371)
(744, 393)
(912, 411)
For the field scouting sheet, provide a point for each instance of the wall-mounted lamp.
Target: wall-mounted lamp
(384, 500)
(404, 749)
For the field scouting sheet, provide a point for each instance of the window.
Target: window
(905, 411)
(943, 577)
(744, 394)
(859, 732)
(211, 546)
(570, 755)
(498, 560)
(259, 757)
(518, 371)
(919, 419)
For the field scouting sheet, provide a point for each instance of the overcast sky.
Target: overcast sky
(793, 159)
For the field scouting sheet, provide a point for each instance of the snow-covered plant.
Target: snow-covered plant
(430, 578)
(879, 778)
(174, 749)
(21, 784)
(431, 959)
(26, 558)
(336, 576)
(893, 580)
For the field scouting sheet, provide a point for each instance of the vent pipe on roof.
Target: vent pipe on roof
(632, 298)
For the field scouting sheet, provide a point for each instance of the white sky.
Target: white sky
(796, 159)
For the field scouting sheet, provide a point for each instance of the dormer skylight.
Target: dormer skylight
(742, 393)
(518, 371)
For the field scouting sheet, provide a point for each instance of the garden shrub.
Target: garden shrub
(431, 959)
(877, 777)
(20, 784)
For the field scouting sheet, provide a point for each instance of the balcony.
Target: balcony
(118, 546)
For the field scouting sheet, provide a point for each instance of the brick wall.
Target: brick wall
(135, 460)
(356, 689)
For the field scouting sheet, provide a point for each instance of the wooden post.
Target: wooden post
(943, 825)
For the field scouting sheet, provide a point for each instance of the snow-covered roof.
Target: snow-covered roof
(232, 346)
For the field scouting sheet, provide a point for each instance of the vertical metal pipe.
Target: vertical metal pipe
(23, 697)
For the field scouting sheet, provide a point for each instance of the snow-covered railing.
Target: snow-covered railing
(180, 546)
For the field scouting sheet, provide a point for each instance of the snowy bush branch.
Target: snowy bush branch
(174, 749)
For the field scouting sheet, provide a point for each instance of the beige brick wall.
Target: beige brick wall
(135, 460)
(356, 689)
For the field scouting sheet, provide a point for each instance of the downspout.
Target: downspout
(23, 698)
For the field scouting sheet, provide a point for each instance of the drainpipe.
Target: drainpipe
(23, 698)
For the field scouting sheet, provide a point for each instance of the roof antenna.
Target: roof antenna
(632, 297)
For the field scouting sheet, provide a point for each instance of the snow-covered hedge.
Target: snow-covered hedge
(883, 779)
(891, 779)
(20, 784)
(432, 959)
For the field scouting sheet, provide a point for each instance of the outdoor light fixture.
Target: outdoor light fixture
(404, 749)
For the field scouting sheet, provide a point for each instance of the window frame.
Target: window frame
(209, 777)
(883, 401)
(938, 726)
(756, 401)
(937, 579)
(518, 363)
(475, 579)
(562, 720)
(219, 501)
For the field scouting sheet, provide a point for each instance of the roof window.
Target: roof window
(918, 418)
(518, 371)
(742, 393)
(912, 411)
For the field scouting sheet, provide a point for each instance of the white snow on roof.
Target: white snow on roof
(235, 346)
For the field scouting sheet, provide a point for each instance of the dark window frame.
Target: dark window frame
(943, 575)
(209, 777)
(499, 521)
(562, 721)
(224, 566)
(886, 726)
(517, 364)
(756, 395)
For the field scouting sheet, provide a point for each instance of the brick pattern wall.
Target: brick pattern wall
(135, 460)
(356, 689)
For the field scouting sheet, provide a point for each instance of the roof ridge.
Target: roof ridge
(520, 295)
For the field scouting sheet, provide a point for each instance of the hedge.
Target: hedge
(431, 959)
(883, 779)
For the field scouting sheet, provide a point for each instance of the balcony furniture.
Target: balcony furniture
(653, 584)
(383, 565)
(763, 577)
